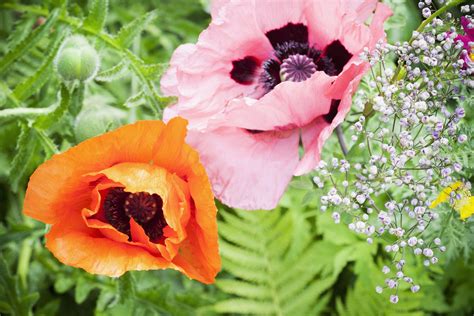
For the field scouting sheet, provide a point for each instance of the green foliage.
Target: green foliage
(276, 264)
(14, 299)
(290, 261)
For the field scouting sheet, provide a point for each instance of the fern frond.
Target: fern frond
(263, 251)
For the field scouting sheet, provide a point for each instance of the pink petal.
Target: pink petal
(248, 171)
(200, 74)
(382, 13)
(324, 21)
(288, 105)
(273, 14)
(317, 132)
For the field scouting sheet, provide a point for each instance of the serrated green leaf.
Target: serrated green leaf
(63, 283)
(153, 71)
(97, 15)
(22, 29)
(47, 120)
(128, 32)
(116, 72)
(14, 299)
(41, 76)
(27, 146)
(135, 100)
(28, 43)
(82, 290)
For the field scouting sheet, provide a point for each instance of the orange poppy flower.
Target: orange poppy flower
(136, 198)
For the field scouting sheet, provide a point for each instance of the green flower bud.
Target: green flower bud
(77, 60)
(96, 117)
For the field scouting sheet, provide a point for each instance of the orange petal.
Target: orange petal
(98, 254)
(168, 152)
(199, 254)
(55, 188)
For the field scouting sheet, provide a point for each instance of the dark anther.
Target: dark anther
(271, 74)
(113, 210)
(244, 70)
(142, 206)
(146, 209)
(338, 55)
(332, 111)
(290, 32)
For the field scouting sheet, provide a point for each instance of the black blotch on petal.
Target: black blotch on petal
(244, 70)
(332, 111)
(338, 54)
(290, 32)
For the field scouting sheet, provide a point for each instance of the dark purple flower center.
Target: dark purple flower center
(145, 208)
(297, 68)
(294, 59)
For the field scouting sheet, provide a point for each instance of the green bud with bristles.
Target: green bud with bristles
(77, 60)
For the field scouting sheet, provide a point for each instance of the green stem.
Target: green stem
(24, 262)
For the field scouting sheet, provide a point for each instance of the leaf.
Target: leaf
(116, 72)
(275, 263)
(97, 15)
(83, 288)
(368, 277)
(22, 29)
(27, 146)
(13, 299)
(126, 287)
(47, 120)
(41, 76)
(135, 100)
(153, 71)
(63, 283)
(28, 43)
(128, 32)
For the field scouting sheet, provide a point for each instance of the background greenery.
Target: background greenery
(291, 261)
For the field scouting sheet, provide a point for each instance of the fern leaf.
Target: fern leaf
(97, 15)
(29, 42)
(242, 256)
(244, 289)
(128, 32)
(262, 250)
(244, 273)
(243, 306)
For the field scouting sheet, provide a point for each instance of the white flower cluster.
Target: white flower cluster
(402, 147)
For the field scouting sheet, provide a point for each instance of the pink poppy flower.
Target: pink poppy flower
(264, 75)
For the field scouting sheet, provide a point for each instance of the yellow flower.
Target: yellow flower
(464, 205)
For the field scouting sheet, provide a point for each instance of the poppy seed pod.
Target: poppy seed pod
(77, 60)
